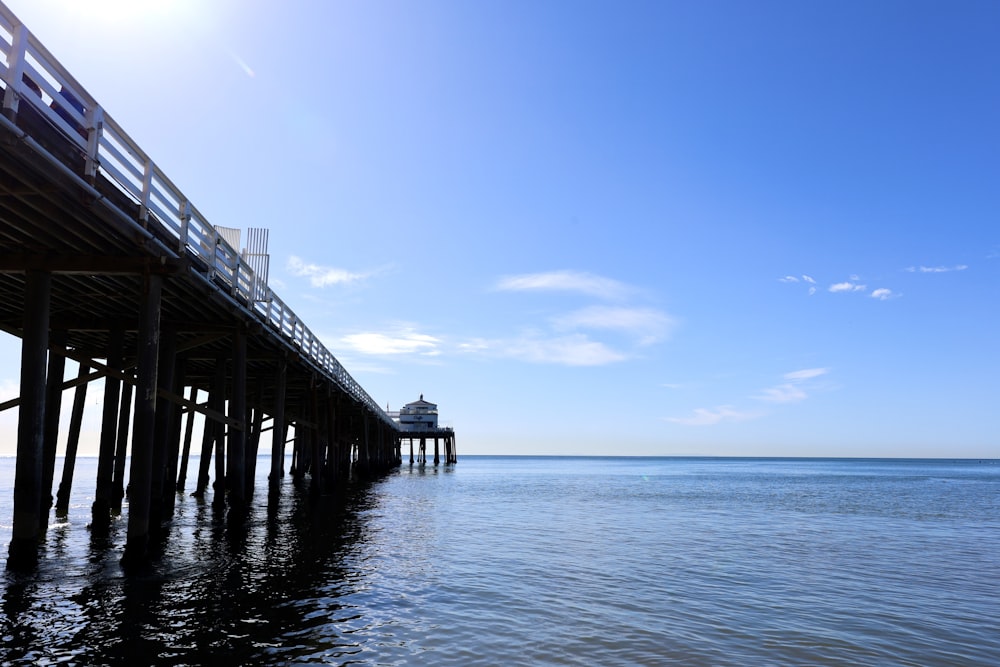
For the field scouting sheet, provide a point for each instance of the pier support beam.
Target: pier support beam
(176, 418)
(53, 412)
(278, 434)
(121, 449)
(101, 509)
(237, 441)
(140, 484)
(23, 552)
(165, 369)
(218, 401)
(72, 442)
(186, 450)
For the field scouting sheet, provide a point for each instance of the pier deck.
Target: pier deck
(104, 261)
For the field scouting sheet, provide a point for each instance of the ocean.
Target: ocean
(538, 561)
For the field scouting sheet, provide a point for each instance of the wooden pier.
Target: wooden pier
(445, 436)
(105, 262)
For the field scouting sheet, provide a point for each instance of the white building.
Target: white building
(419, 415)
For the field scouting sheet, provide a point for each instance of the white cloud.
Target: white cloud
(882, 294)
(847, 287)
(710, 416)
(805, 278)
(937, 269)
(783, 393)
(322, 276)
(791, 391)
(647, 324)
(406, 341)
(572, 350)
(566, 281)
(806, 374)
(572, 338)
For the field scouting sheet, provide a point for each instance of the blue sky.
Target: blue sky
(720, 228)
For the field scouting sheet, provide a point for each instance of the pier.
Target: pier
(418, 422)
(105, 262)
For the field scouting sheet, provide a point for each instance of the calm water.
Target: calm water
(541, 561)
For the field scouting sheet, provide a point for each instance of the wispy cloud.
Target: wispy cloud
(806, 374)
(710, 416)
(883, 294)
(566, 281)
(791, 391)
(595, 335)
(783, 393)
(323, 276)
(847, 286)
(796, 279)
(402, 342)
(936, 269)
(648, 325)
(571, 350)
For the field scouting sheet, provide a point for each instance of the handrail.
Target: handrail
(30, 74)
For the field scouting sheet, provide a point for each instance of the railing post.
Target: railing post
(95, 128)
(185, 224)
(15, 70)
(147, 188)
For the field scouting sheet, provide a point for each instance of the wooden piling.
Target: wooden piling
(316, 459)
(174, 421)
(218, 399)
(186, 449)
(121, 449)
(256, 419)
(165, 370)
(278, 433)
(145, 421)
(236, 442)
(72, 441)
(53, 411)
(23, 550)
(101, 509)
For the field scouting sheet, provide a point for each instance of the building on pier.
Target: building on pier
(419, 421)
(419, 415)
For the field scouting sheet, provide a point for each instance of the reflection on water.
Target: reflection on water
(541, 562)
(244, 587)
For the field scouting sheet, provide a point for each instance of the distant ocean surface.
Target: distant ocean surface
(539, 561)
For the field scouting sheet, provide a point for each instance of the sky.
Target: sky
(716, 228)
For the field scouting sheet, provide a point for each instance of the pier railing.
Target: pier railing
(31, 75)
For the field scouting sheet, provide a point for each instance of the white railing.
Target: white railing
(30, 74)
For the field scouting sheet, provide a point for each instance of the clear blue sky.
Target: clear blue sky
(721, 228)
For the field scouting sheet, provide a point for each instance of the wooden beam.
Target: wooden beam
(92, 264)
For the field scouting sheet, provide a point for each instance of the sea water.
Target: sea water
(538, 561)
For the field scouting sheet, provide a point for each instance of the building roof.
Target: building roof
(421, 403)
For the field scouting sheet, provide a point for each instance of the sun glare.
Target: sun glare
(127, 11)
